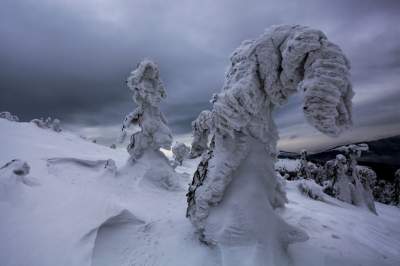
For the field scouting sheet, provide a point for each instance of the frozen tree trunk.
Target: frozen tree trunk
(235, 190)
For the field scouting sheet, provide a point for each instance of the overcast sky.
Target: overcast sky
(69, 59)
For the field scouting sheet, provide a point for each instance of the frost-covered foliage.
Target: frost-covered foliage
(383, 192)
(311, 189)
(342, 183)
(200, 130)
(180, 152)
(9, 116)
(304, 170)
(148, 91)
(55, 124)
(240, 176)
(396, 190)
(349, 182)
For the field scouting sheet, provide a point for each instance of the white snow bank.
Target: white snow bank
(52, 225)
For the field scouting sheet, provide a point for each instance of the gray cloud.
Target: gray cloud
(70, 58)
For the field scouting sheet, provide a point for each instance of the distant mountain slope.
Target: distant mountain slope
(383, 156)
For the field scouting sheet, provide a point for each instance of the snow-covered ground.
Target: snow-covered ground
(83, 214)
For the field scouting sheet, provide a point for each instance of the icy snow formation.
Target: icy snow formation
(201, 130)
(234, 203)
(148, 91)
(13, 175)
(9, 116)
(180, 152)
(55, 124)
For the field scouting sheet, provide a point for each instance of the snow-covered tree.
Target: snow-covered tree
(180, 152)
(304, 171)
(39, 122)
(200, 131)
(148, 91)
(342, 183)
(55, 124)
(362, 194)
(9, 116)
(144, 148)
(233, 203)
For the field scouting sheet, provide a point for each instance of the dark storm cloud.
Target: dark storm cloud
(70, 58)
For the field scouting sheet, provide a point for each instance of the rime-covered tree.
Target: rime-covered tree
(9, 116)
(342, 183)
(148, 92)
(304, 171)
(234, 203)
(180, 152)
(144, 147)
(200, 131)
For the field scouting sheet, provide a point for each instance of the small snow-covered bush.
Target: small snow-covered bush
(9, 116)
(180, 152)
(54, 125)
(311, 189)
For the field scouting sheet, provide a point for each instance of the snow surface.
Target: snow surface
(82, 215)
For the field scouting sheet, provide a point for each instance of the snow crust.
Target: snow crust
(80, 215)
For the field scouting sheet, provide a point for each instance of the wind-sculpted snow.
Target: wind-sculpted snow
(148, 91)
(109, 165)
(110, 237)
(201, 129)
(13, 179)
(48, 227)
(264, 72)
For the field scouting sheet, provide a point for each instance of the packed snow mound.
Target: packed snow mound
(140, 225)
(153, 170)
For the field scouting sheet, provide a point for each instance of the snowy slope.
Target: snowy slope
(85, 215)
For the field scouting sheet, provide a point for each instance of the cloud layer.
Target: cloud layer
(70, 58)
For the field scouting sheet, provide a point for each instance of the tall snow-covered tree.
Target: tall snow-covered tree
(148, 92)
(233, 204)
(144, 147)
